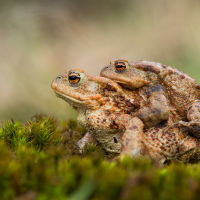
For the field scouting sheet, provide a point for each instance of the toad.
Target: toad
(176, 88)
(104, 112)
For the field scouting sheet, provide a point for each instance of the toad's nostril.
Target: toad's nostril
(58, 78)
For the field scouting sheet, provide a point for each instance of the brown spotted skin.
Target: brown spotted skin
(179, 89)
(99, 102)
(156, 143)
(160, 144)
(105, 111)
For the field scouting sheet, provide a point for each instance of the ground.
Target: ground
(35, 165)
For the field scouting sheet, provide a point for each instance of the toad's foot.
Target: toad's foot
(88, 138)
(192, 127)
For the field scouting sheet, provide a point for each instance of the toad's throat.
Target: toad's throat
(68, 98)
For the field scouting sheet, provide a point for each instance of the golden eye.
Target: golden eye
(120, 66)
(74, 77)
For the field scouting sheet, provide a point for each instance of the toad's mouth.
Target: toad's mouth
(121, 82)
(68, 98)
(124, 84)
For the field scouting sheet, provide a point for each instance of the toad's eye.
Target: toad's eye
(74, 77)
(120, 66)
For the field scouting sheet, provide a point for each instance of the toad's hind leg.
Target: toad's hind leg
(189, 150)
(193, 116)
(193, 112)
(132, 138)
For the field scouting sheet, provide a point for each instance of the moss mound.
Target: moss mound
(40, 160)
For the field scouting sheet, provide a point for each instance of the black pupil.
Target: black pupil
(120, 65)
(73, 77)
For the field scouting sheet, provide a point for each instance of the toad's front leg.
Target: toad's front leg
(88, 138)
(131, 143)
(156, 110)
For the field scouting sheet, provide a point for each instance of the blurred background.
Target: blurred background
(39, 40)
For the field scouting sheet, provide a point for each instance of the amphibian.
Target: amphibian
(178, 89)
(102, 110)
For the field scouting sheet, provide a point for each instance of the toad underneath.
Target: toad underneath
(104, 112)
(179, 90)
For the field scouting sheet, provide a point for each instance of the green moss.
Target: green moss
(40, 133)
(39, 160)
